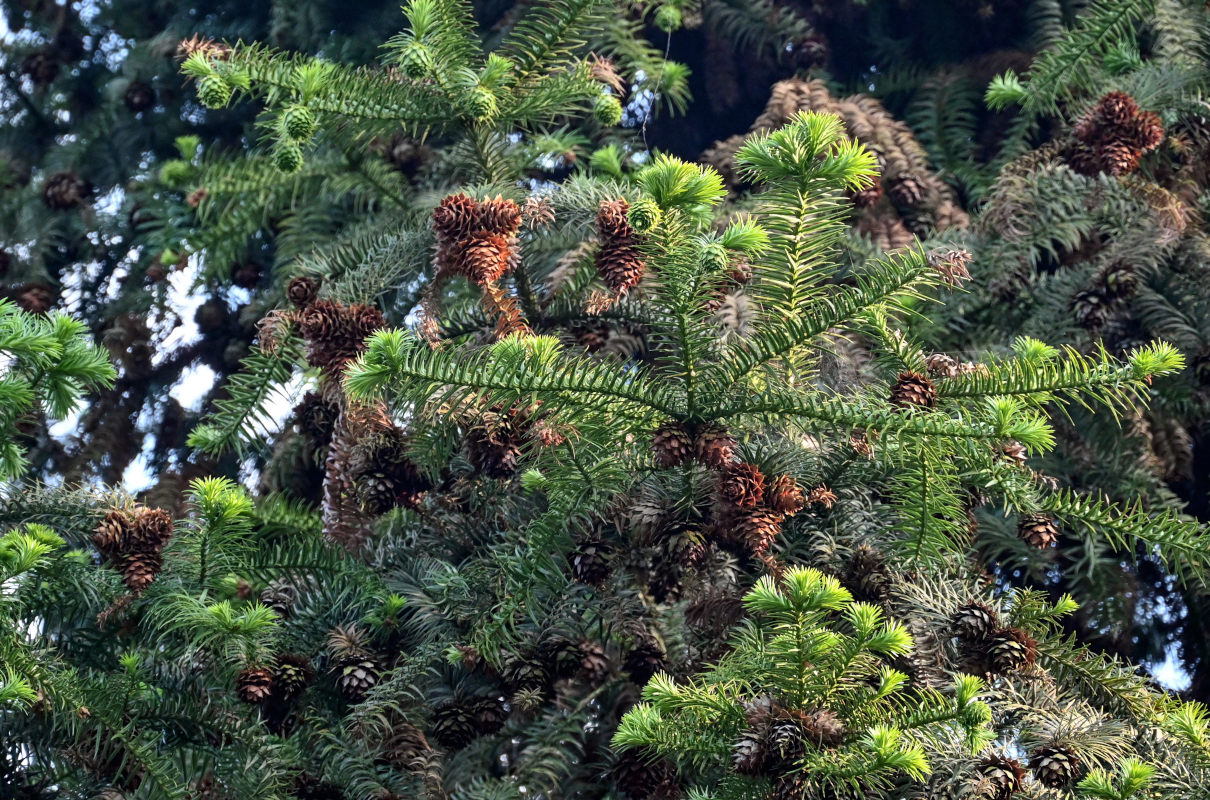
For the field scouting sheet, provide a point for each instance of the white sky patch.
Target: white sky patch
(195, 383)
(185, 296)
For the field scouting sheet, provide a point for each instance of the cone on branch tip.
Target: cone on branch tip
(590, 562)
(785, 496)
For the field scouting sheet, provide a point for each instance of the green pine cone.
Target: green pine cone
(481, 103)
(298, 123)
(416, 60)
(668, 18)
(288, 156)
(213, 91)
(644, 215)
(713, 257)
(607, 110)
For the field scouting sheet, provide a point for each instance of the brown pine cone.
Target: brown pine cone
(758, 528)
(672, 444)
(65, 190)
(821, 496)
(254, 684)
(111, 535)
(499, 216)
(150, 529)
(1054, 766)
(613, 220)
(742, 486)
(913, 390)
(292, 676)
(1011, 649)
(1038, 530)
(975, 622)
(939, 365)
(483, 257)
(619, 264)
(139, 570)
(785, 496)
(1002, 775)
(457, 216)
(713, 446)
(302, 291)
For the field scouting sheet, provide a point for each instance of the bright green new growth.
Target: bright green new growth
(808, 647)
(47, 363)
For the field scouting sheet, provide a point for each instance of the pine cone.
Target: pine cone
(939, 365)
(499, 216)
(139, 97)
(495, 454)
(1011, 649)
(750, 751)
(713, 446)
(280, 595)
(316, 419)
(254, 684)
(867, 575)
(1038, 530)
(525, 673)
(672, 445)
(483, 257)
(1054, 766)
(594, 663)
(913, 390)
(975, 622)
(785, 496)
(613, 219)
(1003, 776)
(742, 486)
(455, 723)
(620, 264)
(1091, 308)
(139, 570)
(42, 67)
(336, 333)
(149, 530)
(302, 291)
(293, 675)
(457, 216)
(65, 190)
(590, 562)
(822, 496)
(1118, 281)
(111, 535)
(644, 660)
(905, 190)
(356, 677)
(822, 728)
(641, 779)
(758, 528)
(868, 196)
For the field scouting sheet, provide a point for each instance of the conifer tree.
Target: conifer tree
(607, 474)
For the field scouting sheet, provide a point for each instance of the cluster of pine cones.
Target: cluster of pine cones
(618, 260)
(132, 541)
(335, 333)
(1113, 136)
(989, 648)
(777, 737)
(476, 239)
(284, 682)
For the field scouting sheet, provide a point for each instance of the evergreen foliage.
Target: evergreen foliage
(858, 459)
